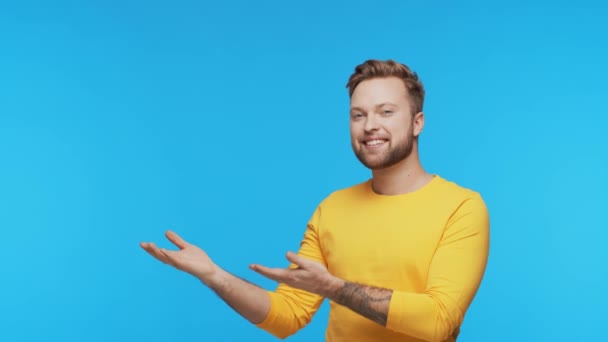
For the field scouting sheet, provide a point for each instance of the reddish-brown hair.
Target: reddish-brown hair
(374, 68)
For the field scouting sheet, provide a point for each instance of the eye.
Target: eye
(387, 112)
(357, 115)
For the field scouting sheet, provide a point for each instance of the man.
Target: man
(400, 256)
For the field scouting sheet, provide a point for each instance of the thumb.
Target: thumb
(298, 260)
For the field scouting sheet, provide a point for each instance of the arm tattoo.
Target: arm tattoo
(368, 301)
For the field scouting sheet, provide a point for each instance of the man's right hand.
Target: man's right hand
(249, 300)
(189, 258)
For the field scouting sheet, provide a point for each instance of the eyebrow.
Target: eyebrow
(380, 105)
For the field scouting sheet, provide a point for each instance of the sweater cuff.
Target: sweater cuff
(271, 323)
(412, 314)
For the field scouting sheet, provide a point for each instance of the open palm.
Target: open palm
(189, 258)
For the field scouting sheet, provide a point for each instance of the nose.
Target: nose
(371, 123)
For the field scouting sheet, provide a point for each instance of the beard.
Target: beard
(389, 157)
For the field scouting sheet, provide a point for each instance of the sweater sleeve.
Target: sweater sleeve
(291, 309)
(454, 276)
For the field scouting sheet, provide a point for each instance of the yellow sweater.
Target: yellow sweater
(429, 246)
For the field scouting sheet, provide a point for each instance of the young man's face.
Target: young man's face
(381, 125)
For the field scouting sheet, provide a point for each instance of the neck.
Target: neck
(401, 178)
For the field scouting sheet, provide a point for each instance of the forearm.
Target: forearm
(250, 301)
(368, 301)
(416, 315)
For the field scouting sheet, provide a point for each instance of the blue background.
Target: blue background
(228, 122)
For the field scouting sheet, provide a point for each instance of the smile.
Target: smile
(375, 142)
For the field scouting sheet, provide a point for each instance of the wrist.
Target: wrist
(333, 286)
(214, 278)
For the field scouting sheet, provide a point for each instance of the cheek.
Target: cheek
(353, 139)
(354, 131)
(394, 127)
(403, 128)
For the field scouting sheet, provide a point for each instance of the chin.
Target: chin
(373, 164)
(378, 166)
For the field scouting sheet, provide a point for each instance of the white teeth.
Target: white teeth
(374, 142)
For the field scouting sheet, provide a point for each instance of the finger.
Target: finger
(280, 275)
(176, 239)
(155, 252)
(146, 246)
(298, 260)
(170, 256)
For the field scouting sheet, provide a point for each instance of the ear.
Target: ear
(418, 123)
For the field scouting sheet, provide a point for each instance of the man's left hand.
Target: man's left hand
(309, 276)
